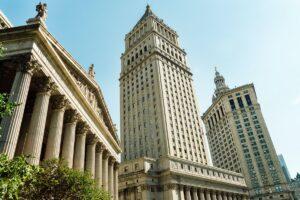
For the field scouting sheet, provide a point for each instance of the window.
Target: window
(240, 102)
(232, 105)
(248, 99)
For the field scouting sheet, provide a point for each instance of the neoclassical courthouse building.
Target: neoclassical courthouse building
(61, 111)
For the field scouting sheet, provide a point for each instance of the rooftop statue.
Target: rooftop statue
(41, 9)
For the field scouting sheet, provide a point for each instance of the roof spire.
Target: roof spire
(221, 86)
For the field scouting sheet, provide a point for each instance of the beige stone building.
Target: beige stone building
(164, 156)
(61, 112)
(239, 140)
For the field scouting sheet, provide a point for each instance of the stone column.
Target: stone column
(105, 170)
(214, 195)
(244, 197)
(67, 153)
(208, 195)
(79, 154)
(132, 194)
(229, 196)
(201, 196)
(234, 197)
(195, 195)
(171, 191)
(220, 196)
(121, 195)
(91, 154)
(11, 124)
(181, 192)
(116, 181)
(225, 196)
(35, 135)
(110, 175)
(188, 193)
(56, 126)
(98, 164)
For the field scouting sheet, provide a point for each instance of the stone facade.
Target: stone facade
(61, 111)
(161, 132)
(239, 140)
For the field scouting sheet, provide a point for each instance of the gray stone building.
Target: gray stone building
(239, 140)
(161, 132)
(61, 111)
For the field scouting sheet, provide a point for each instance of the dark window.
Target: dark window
(248, 99)
(128, 62)
(232, 105)
(240, 102)
(145, 48)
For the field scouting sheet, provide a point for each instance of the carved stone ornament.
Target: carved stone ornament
(82, 128)
(44, 84)
(171, 186)
(92, 71)
(106, 154)
(41, 9)
(59, 102)
(111, 161)
(27, 63)
(100, 147)
(91, 139)
(71, 116)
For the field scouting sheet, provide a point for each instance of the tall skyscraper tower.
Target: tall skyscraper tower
(159, 114)
(239, 140)
(161, 133)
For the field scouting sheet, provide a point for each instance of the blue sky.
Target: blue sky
(250, 41)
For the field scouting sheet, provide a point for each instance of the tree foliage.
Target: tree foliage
(2, 49)
(51, 180)
(6, 107)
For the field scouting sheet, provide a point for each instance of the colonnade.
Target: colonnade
(179, 192)
(68, 138)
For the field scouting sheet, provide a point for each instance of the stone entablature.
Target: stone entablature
(4, 22)
(199, 170)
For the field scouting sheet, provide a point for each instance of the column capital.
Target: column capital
(71, 116)
(111, 160)
(117, 165)
(27, 63)
(44, 84)
(106, 154)
(91, 139)
(171, 186)
(100, 147)
(82, 128)
(59, 102)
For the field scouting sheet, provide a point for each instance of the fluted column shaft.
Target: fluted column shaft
(208, 196)
(229, 196)
(181, 192)
(79, 153)
(187, 193)
(35, 135)
(220, 196)
(110, 176)
(90, 155)
(202, 197)
(67, 153)
(56, 127)
(225, 196)
(195, 195)
(105, 171)
(234, 197)
(11, 124)
(116, 182)
(98, 165)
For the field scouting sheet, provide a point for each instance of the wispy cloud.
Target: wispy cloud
(296, 100)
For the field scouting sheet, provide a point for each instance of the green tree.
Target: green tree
(50, 180)
(2, 49)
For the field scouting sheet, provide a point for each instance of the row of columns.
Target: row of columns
(192, 193)
(69, 138)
